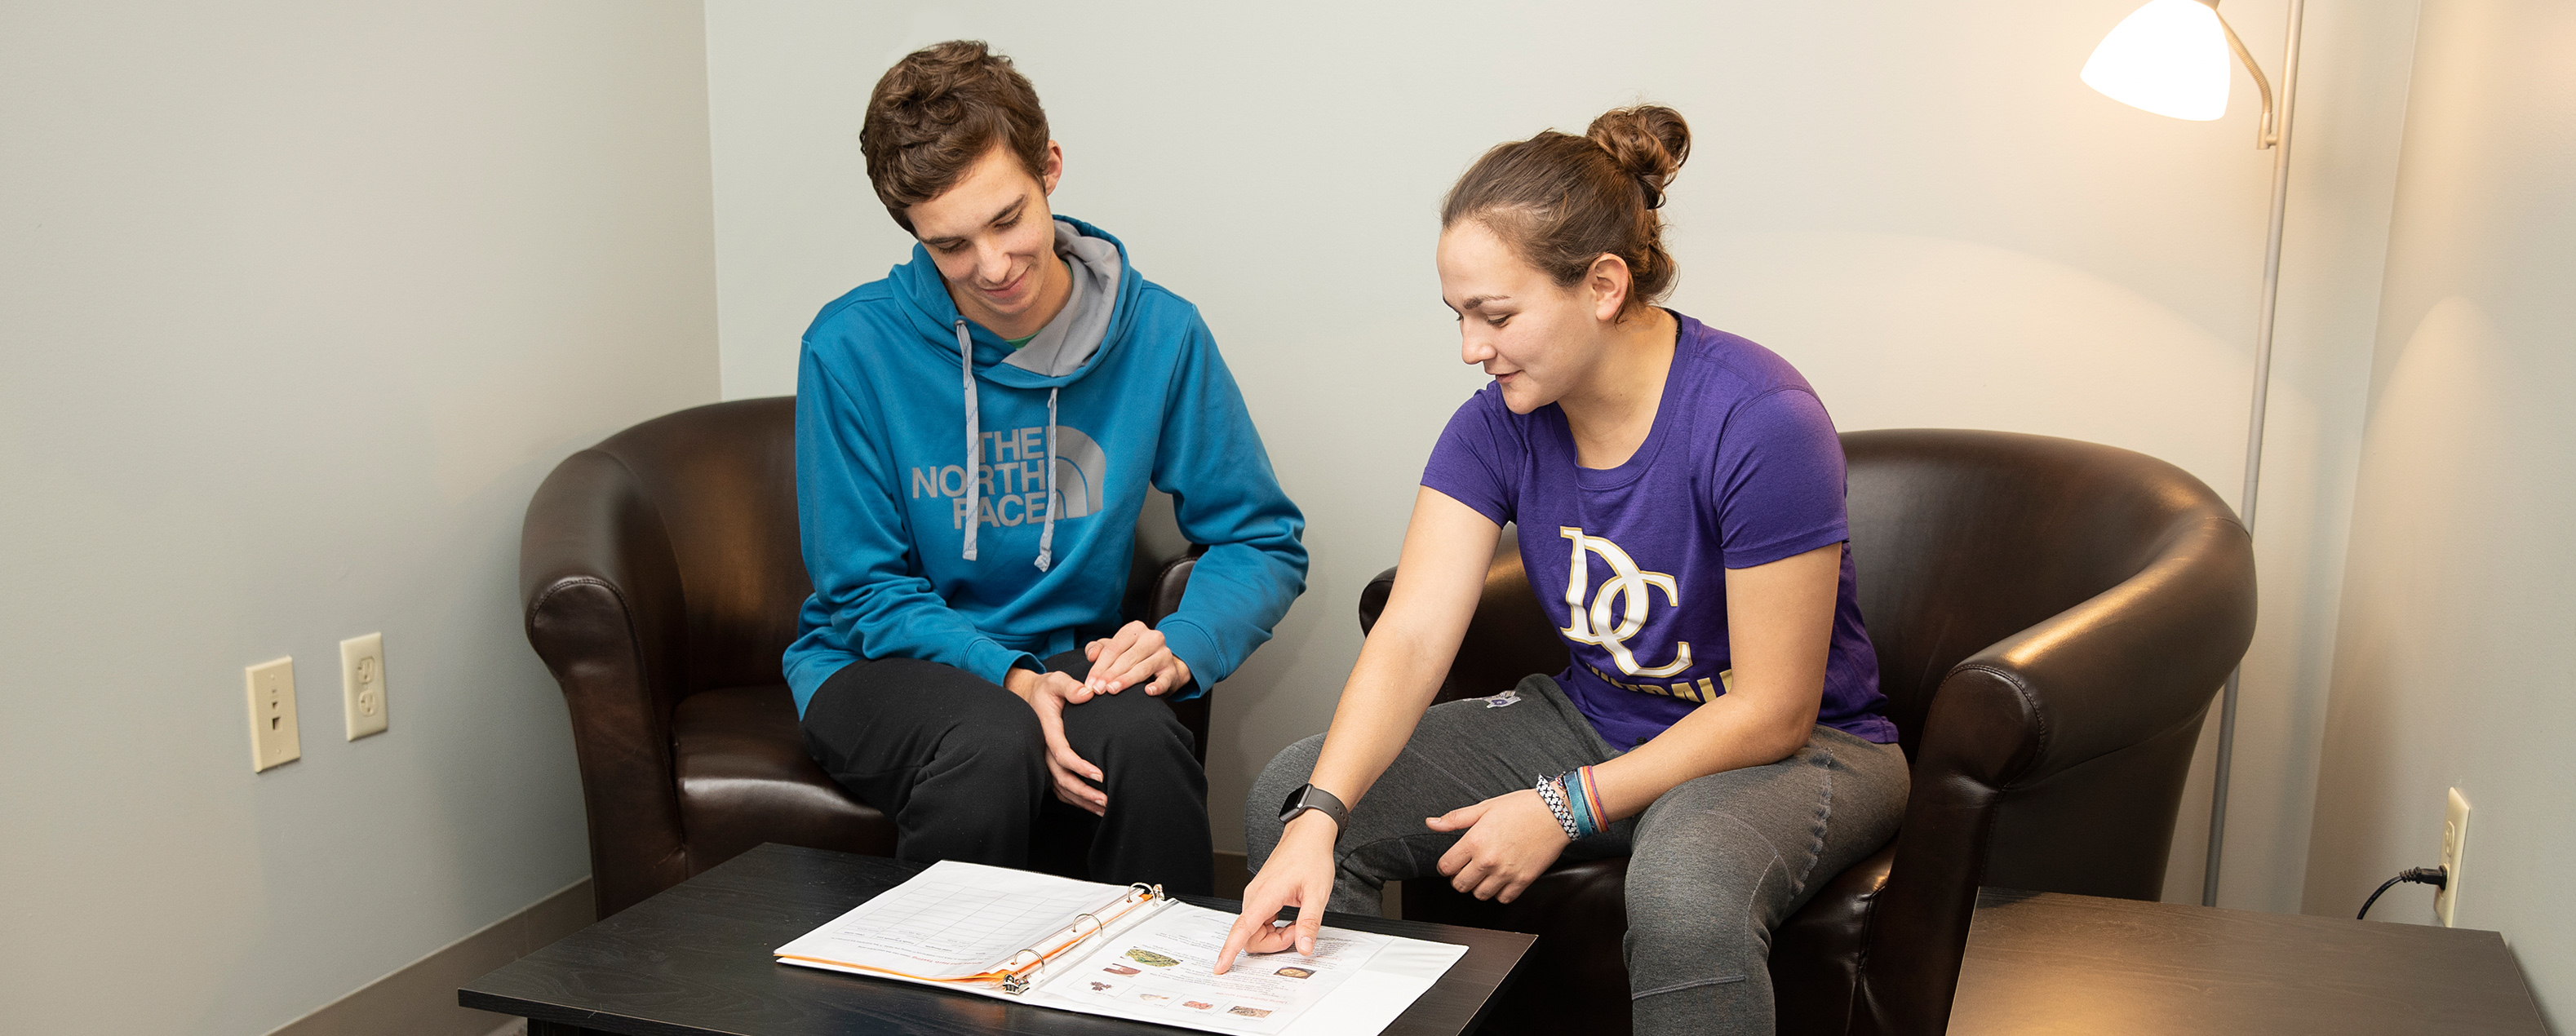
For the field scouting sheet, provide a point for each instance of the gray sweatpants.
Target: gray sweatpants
(1715, 864)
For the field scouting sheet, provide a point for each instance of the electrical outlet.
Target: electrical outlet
(273, 738)
(362, 684)
(2455, 843)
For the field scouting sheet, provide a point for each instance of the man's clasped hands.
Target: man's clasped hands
(1136, 656)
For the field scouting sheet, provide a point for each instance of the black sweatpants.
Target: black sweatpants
(959, 764)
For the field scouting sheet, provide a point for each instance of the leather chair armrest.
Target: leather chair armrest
(601, 595)
(1157, 598)
(1373, 599)
(2024, 739)
(1169, 585)
(1509, 637)
(2132, 662)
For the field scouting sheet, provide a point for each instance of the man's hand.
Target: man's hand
(1511, 840)
(1135, 655)
(1049, 693)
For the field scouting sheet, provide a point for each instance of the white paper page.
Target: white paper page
(1380, 992)
(1365, 1006)
(953, 920)
(1162, 971)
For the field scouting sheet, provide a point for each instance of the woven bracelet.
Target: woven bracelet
(1585, 795)
(1583, 803)
(1551, 790)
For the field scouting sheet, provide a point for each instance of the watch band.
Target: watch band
(1310, 797)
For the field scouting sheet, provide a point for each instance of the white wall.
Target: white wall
(2460, 594)
(1919, 204)
(300, 301)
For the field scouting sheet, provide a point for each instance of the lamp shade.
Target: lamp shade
(2169, 57)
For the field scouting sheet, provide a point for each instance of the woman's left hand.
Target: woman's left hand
(1135, 655)
(1511, 840)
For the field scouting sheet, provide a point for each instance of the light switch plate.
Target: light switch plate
(273, 737)
(362, 684)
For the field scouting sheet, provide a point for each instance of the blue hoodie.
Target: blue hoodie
(885, 411)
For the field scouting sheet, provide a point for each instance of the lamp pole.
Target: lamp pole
(2274, 133)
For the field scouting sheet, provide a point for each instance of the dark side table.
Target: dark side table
(695, 960)
(2042, 962)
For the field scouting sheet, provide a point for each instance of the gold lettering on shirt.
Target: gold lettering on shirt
(1702, 691)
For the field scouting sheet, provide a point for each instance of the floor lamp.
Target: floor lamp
(2170, 57)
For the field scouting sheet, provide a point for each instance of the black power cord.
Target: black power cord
(2434, 876)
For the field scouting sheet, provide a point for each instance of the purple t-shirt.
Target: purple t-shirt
(1742, 468)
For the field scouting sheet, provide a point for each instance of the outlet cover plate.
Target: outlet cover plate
(362, 684)
(273, 737)
(2455, 844)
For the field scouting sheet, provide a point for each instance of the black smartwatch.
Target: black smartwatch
(1308, 796)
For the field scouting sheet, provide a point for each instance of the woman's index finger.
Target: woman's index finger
(1236, 938)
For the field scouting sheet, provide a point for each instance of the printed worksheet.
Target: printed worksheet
(1163, 970)
(951, 921)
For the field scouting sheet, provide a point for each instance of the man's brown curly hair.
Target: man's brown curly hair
(937, 112)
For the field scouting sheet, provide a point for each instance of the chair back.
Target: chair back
(722, 479)
(1962, 538)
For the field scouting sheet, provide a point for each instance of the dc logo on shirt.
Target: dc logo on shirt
(1627, 585)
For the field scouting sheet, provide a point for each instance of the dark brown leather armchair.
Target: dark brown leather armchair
(660, 576)
(2052, 618)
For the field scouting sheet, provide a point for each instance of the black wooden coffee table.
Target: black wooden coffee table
(2043, 963)
(695, 960)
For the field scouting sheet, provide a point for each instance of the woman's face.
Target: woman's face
(1536, 339)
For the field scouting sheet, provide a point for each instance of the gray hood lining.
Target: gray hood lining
(1070, 340)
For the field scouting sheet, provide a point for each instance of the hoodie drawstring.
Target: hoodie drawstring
(974, 437)
(1046, 537)
(975, 457)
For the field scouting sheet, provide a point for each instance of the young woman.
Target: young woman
(1679, 494)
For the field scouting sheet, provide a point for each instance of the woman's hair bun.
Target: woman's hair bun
(1564, 201)
(1649, 141)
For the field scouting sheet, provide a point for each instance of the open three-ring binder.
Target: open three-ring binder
(1128, 952)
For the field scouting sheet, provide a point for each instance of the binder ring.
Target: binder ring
(1017, 978)
(1017, 981)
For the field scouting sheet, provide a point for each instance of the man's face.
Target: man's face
(993, 240)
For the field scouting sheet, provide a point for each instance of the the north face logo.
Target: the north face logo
(1081, 473)
(1012, 489)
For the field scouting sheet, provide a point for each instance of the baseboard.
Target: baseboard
(1233, 872)
(419, 999)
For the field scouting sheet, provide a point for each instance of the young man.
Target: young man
(975, 434)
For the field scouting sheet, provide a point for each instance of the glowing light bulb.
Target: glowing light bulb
(2169, 57)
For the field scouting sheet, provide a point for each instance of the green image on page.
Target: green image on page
(1150, 958)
